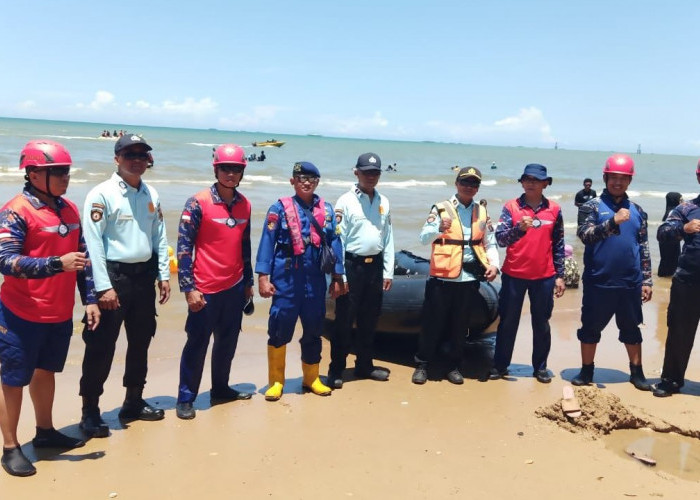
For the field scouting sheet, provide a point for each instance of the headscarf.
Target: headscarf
(673, 199)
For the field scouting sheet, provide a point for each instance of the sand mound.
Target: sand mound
(603, 412)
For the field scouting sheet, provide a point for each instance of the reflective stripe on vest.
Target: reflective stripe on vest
(448, 249)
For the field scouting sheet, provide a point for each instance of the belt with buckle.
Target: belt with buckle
(365, 259)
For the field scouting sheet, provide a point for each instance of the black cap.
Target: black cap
(369, 161)
(129, 140)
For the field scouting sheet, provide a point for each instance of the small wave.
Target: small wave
(202, 144)
(412, 183)
(259, 178)
(81, 137)
(490, 182)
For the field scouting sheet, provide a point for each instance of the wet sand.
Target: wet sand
(369, 439)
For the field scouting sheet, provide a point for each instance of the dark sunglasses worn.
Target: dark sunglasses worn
(371, 173)
(306, 178)
(59, 171)
(230, 169)
(132, 155)
(469, 183)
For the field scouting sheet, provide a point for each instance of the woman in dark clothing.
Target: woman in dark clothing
(670, 250)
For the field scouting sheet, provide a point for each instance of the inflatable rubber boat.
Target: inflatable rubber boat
(402, 306)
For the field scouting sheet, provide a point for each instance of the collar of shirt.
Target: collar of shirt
(611, 200)
(301, 203)
(217, 199)
(543, 204)
(37, 203)
(456, 203)
(360, 194)
(123, 186)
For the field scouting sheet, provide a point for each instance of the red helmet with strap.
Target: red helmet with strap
(229, 154)
(619, 164)
(44, 154)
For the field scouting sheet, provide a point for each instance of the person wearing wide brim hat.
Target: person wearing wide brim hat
(531, 228)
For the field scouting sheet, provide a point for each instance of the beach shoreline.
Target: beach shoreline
(369, 439)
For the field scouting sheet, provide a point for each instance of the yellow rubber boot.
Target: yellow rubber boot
(275, 368)
(311, 382)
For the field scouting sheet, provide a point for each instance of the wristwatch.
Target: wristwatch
(55, 264)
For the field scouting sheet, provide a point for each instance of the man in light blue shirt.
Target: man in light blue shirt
(464, 251)
(125, 235)
(364, 223)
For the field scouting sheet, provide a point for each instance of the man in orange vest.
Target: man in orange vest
(464, 252)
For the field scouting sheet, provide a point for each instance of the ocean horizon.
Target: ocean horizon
(424, 170)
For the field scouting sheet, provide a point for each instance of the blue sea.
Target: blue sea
(183, 166)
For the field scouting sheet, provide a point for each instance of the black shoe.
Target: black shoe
(455, 377)
(378, 374)
(185, 411)
(140, 410)
(334, 381)
(542, 376)
(496, 373)
(666, 388)
(228, 394)
(585, 376)
(15, 463)
(637, 378)
(51, 438)
(92, 424)
(420, 374)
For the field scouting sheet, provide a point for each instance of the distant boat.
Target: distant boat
(269, 144)
(493, 165)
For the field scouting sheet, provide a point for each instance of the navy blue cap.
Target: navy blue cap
(368, 161)
(537, 171)
(129, 140)
(305, 168)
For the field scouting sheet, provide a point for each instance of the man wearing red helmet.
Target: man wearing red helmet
(683, 223)
(617, 272)
(42, 255)
(217, 281)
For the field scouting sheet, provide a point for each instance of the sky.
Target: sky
(597, 75)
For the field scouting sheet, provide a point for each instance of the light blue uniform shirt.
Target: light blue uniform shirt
(364, 226)
(431, 230)
(123, 224)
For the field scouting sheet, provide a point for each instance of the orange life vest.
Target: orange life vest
(448, 249)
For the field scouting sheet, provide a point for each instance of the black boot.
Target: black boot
(638, 379)
(51, 438)
(91, 422)
(15, 463)
(420, 375)
(585, 376)
(135, 408)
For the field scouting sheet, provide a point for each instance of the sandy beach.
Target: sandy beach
(376, 440)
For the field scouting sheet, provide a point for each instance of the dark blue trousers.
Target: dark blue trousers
(221, 316)
(510, 303)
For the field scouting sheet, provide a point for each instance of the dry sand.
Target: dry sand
(496, 439)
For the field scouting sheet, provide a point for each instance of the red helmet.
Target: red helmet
(619, 164)
(44, 154)
(229, 153)
(697, 171)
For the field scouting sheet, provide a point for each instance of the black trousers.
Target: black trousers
(682, 320)
(446, 314)
(362, 305)
(137, 297)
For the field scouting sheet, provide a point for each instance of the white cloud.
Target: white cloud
(102, 98)
(528, 126)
